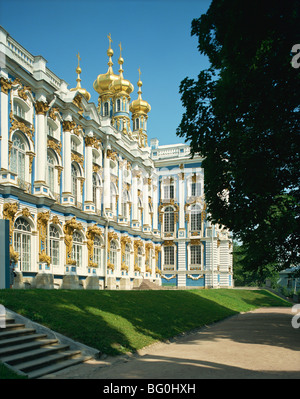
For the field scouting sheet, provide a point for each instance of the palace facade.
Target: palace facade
(91, 202)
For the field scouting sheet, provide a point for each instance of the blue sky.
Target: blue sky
(155, 36)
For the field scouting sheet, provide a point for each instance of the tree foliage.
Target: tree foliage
(242, 115)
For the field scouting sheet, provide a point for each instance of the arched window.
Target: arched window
(169, 220)
(137, 123)
(74, 175)
(140, 257)
(118, 108)
(50, 171)
(113, 253)
(97, 251)
(127, 255)
(195, 255)
(54, 245)
(22, 243)
(18, 153)
(125, 199)
(105, 112)
(169, 256)
(195, 218)
(77, 248)
(112, 197)
(96, 184)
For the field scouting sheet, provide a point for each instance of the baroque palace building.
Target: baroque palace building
(90, 203)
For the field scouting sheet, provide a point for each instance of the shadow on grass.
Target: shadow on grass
(116, 322)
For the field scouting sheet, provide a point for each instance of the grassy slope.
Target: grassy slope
(116, 322)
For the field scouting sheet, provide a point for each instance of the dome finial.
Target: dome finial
(84, 92)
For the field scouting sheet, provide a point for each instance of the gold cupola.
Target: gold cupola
(139, 106)
(139, 109)
(121, 86)
(103, 81)
(82, 91)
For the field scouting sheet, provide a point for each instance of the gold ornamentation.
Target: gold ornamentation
(124, 240)
(77, 101)
(31, 156)
(55, 145)
(42, 223)
(92, 231)
(17, 125)
(5, 85)
(78, 130)
(168, 243)
(59, 170)
(53, 113)
(111, 154)
(55, 220)
(41, 107)
(26, 212)
(69, 227)
(68, 126)
(9, 211)
(22, 92)
(77, 158)
(91, 141)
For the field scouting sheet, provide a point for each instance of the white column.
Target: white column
(134, 196)
(5, 86)
(181, 201)
(145, 201)
(67, 180)
(106, 183)
(88, 171)
(41, 142)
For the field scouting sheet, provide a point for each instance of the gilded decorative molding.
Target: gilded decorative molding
(68, 126)
(69, 227)
(77, 158)
(111, 155)
(9, 211)
(91, 141)
(41, 107)
(55, 220)
(31, 156)
(92, 231)
(168, 243)
(53, 113)
(78, 130)
(59, 170)
(17, 125)
(42, 224)
(55, 145)
(124, 240)
(22, 92)
(77, 101)
(5, 85)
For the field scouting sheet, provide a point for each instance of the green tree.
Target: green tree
(242, 116)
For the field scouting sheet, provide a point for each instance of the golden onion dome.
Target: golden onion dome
(139, 106)
(82, 91)
(103, 81)
(121, 85)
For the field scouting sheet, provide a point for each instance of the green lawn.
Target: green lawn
(116, 322)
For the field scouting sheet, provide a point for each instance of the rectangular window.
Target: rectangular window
(54, 252)
(195, 255)
(196, 189)
(169, 191)
(169, 256)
